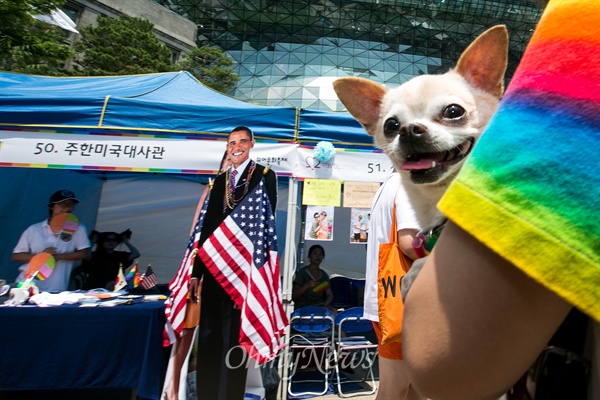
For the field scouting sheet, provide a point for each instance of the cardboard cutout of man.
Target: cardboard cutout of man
(221, 362)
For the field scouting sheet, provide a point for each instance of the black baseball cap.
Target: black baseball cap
(62, 195)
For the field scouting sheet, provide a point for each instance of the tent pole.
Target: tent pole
(289, 268)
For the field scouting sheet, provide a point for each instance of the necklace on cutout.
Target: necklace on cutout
(229, 201)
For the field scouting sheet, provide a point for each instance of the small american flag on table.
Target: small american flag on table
(148, 280)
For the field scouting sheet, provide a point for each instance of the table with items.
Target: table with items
(84, 346)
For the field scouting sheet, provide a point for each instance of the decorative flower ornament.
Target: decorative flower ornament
(323, 151)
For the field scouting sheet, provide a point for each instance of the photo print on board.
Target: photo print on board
(319, 223)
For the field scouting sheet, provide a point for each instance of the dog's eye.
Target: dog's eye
(454, 111)
(391, 128)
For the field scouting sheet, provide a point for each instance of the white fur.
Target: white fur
(415, 102)
(428, 134)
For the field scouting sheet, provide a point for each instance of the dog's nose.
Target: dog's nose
(417, 129)
(414, 135)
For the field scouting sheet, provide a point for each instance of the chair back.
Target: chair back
(349, 346)
(346, 291)
(312, 319)
(352, 321)
(311, 345)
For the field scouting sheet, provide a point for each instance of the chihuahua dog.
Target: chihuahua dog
(429, 125)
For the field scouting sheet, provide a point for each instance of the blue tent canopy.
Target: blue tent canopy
(339, 127)
(173, 102)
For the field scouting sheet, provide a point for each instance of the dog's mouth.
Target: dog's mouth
(442, 160)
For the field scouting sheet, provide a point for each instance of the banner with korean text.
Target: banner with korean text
(175, 153)
(130, 152)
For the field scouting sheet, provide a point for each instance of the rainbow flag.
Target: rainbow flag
(321, 287)
(133, 277)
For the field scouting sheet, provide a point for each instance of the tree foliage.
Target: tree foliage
(28, 45)
(211, 67)
(121, 46)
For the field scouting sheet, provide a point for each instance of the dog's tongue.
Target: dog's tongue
(424, 163)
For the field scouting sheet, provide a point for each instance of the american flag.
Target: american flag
(176, 303)
(148, 280)
(242, 256)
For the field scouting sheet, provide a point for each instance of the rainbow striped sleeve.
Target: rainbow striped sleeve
(531, 189)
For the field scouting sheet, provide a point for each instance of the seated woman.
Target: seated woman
(311, 283)
(103, 265)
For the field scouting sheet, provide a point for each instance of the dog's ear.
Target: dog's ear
(484, 62)
(362, 98)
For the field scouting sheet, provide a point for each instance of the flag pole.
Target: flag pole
(289, 267)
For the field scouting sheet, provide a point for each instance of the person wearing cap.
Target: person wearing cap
(66, 249)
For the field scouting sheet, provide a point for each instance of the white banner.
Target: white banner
(144, 153)
(360, 166)
(149, 153)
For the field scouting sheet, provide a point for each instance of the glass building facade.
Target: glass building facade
(287, 52)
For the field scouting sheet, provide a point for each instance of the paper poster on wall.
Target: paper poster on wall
(321, 192)
(359, 225)
(319, 223)
(359, 194)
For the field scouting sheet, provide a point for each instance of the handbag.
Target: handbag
(192, 310)
(392, 266)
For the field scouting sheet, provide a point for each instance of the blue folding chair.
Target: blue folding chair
(346, 291)
(348, 345)
(311, 344)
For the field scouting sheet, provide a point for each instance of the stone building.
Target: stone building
(174, 31)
